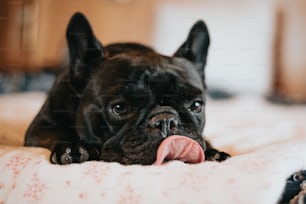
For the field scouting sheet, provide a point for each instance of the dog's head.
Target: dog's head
(132, 98)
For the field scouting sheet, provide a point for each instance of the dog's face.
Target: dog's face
(131, 98)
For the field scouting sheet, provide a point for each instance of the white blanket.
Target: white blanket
(268, 143)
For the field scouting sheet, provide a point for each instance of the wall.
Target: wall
(35, 29)
(240, 57)
(290, 63)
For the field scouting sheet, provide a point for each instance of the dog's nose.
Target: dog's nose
(166, 122)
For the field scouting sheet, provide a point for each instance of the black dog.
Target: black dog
(119, 102)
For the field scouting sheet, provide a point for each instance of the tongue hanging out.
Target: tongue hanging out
(179, 148)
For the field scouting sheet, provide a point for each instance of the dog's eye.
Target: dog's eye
(120, 108)
(197, 106)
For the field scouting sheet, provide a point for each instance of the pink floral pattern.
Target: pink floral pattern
(16, 164)
(35, 189)
(129, 196)
(96, 171)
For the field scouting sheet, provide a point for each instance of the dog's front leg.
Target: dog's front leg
(212, 154)
(65, 145)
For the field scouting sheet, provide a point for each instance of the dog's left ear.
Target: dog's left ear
(84, 49)
(195, 48)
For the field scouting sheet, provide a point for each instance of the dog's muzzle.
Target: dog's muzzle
(163, 118)
(173, 147)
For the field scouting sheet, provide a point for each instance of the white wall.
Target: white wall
(240, 56)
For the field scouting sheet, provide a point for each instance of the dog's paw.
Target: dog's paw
(215, 155)
(65, 153)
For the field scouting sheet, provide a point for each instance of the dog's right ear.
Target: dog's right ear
(84, 49)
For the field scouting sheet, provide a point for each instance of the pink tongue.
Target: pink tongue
(179, 148)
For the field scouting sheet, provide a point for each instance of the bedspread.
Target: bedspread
(268, 144)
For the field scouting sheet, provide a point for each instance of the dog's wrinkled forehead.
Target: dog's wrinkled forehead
(148, 71)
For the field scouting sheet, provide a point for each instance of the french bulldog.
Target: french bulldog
(117, 103)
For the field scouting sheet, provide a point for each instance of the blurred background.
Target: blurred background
(257, 46)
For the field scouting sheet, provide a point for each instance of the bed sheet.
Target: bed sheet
(268, 143)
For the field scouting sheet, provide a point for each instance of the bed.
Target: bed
(267, 142)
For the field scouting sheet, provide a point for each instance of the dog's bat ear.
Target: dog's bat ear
(84, 49)
(195, 48)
